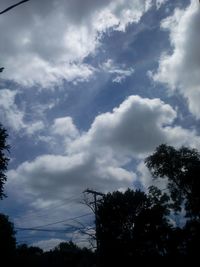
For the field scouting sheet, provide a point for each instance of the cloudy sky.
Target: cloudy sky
(90, 88)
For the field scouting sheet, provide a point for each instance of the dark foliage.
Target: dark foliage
(182, 169)
(132, 226)
(65, 254)
(69, 254)
(7, 239)
(28, 256)
(4, 147)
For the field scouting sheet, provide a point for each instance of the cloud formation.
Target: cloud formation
(49, 244)
(120, 72)
(13, 117)
(10, 114)
(98, 158)
(56, 44)
(180, 69)
(136, 127)
(65, 127)
(46, 42)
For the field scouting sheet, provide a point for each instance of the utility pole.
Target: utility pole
(95, 195)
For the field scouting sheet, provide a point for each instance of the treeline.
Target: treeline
(160, 227)
(153, 228)
(65, 254)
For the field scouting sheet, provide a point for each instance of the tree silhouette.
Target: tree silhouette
(4, 147)
(7, 239)
(69, 254)
(29, 256)
(132, 227)
(182, 169)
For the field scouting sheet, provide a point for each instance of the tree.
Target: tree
(182, 169)
(7, 239)
(4, 147)
(69, 254)
(132, 226)
(29, 256)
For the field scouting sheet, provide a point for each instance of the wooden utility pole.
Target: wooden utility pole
(95, 195)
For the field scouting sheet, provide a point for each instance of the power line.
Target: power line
(57, 222)
(70, 229)
(61, 230)
(29, 240)
(11, 7)
(66, 231)
(41, 214)
(53, 230)
(43, 230)
(41, 236)
(33, 213)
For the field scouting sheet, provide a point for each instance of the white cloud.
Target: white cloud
(180, 69)
(65, 127)
(13, 117)
(159, 3)
(121, 13)
(145, 178)
(57, 135)
(46, 42)
(53, 176)
(35, 127)
(80, 239)
(97, 158)
(46, 245)
(136, 127)
(120, 72)
(29, 71)
(10, 115)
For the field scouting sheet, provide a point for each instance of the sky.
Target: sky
(89, 90)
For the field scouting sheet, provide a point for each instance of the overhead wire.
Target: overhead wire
(42, 209)
(42, 213)
(66, 231)
(35, 213)
(69, 229)
(57, 222)
(13, 6)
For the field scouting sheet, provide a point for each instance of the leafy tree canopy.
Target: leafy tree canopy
(131, 225)
(4, 147)
(182, 169)
(7, 237)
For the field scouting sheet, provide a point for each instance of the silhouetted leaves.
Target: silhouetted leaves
(182, 169)
(65, 254)
(133, 225)
(7, 239)
(4, 147)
